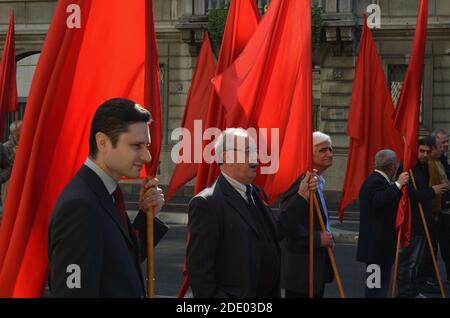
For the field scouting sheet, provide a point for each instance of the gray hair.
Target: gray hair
(438, 131)
(16, 124)
(229, 139)
(320, 137)
(384, 158)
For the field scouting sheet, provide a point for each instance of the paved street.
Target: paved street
(169, 257)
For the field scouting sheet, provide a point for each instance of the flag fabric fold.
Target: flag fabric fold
(196, 108)
(406, 115)
(270, 86)
(152, 93)
(242, 21)
(79, 68)
(8, 84)
(370, 125)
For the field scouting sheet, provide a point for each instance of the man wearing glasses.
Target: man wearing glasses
(233, 248)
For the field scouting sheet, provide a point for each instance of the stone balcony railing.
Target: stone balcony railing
(193, 23)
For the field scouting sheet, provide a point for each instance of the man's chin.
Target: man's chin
(133, 174)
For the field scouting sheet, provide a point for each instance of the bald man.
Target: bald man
(379, 197)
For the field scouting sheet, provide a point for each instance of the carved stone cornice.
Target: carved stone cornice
(192, 29)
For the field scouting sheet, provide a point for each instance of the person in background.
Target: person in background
(10, 149)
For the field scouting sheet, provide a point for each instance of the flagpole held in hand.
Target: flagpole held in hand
(150, 251)
(150, 255)
(311, 245)
(329, 250)
(430, 244)
(397, 253)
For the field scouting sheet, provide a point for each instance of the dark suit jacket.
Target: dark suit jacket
(295, 248)
(444, 161)
(86, 230)
(378, 210)
(5, 166)
(424, 194)
(223, 249)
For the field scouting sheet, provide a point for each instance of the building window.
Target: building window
(220, 4)
(396, 77)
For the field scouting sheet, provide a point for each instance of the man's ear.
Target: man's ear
(103, 142)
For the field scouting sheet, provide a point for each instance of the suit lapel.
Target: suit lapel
(111, 210)
(97, 185)
(236, 201)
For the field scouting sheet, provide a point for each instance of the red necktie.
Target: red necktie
(120, 205)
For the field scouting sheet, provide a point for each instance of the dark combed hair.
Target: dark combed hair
(113, 118)
(429, 141)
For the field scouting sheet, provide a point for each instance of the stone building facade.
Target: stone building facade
(180, 25)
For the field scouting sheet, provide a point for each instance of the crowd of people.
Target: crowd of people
(238, 246)
(428, 189)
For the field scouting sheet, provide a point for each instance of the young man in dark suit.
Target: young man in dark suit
(94, 250)
(233, 248)
(378, 198)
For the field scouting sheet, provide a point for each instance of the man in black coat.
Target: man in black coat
(442, 139)
(94, 250)
(444, 229)
(233, 248)
(378, 198)
(410, 257)
(295, 248)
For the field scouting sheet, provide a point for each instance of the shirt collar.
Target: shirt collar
(238, 186)
(384, 175)
(109, 182)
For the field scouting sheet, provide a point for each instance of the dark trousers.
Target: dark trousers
(426, 269)
(385, 280)
(444, 242)
(408, 267)
(294, 294)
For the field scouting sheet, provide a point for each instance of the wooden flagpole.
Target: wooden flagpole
(430, 244)
(311, 245)
(150, 252)
(397, 253)
(329, 250)
(150, 255)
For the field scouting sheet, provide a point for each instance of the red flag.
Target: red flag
(8, 85)
(406, 115)
(152, 98)
(269, 86)
(242, 21)
(79, 69)
(370, 125)
(196, 109)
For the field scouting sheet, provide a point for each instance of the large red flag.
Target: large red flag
(196, 109)
(79, 69)
(242, 21)
(152, 94)
(406, 115)
(269, 86)
(370, 125)
(8, 84)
